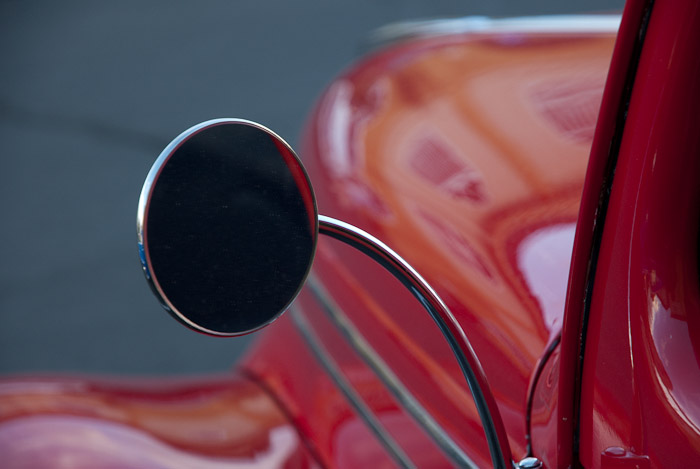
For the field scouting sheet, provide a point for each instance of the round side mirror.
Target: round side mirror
(227, 227)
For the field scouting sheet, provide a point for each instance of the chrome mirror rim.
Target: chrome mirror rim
(142, 229)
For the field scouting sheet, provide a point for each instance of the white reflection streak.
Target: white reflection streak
(335, 126)
(544, 258)
(673, 403)
(80, 442)
(657, 308)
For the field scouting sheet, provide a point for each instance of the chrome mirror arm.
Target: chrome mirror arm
(446, 322)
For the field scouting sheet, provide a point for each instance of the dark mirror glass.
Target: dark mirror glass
(227, 227)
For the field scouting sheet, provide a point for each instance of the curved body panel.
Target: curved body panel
(206, 423)
(463, 154)
(641, 368)
(466, 154)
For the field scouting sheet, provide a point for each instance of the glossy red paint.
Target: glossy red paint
(466, 154)
(558, 449)
(314, 403)
(216, 422)
(641, 370)
(544, 417)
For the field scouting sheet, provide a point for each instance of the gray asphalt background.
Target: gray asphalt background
(90, 93)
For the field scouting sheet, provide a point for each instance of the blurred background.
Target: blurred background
(90, 93)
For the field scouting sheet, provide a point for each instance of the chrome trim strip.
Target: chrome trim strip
(392, 382)
(554, 24)
(539, 367)
(363, 412)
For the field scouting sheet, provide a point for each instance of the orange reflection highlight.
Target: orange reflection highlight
(467, 155)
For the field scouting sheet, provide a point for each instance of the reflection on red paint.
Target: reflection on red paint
(543, 422)
(570, 105)
(462, 154)
(641, 372)
(438, 165)
(203, 422)
(457, 245)
(543, 259)
(85, 443)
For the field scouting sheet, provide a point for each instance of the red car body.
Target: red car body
(561, 232)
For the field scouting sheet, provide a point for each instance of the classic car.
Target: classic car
(496, 265)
